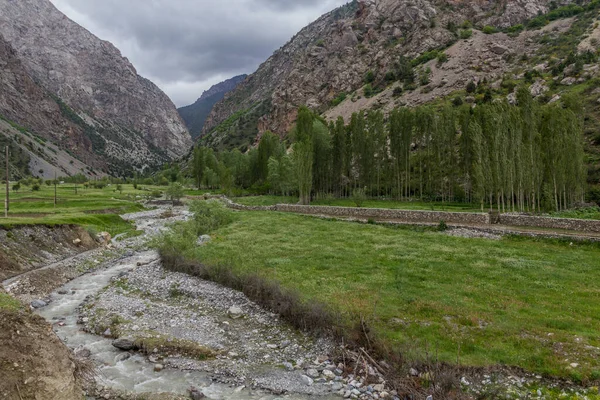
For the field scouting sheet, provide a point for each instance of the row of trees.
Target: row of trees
(527, 157)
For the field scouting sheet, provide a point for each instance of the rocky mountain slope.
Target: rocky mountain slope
(195, 114)
(327, 63)
(110, 117)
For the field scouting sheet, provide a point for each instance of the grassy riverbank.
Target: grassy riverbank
(515, 302)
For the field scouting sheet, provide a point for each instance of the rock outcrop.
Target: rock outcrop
(195, 114)
(332, 55)
(124, 118)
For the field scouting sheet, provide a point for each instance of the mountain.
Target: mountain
(110, 117)
(352, 58)
(195, 114)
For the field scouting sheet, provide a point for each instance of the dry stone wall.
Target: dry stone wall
(381, 213)
(580, 225)
(416, 216)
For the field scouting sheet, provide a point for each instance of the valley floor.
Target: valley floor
(521, 302)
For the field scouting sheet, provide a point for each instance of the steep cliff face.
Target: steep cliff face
(195, 114)
(126, 117)
(332, 55)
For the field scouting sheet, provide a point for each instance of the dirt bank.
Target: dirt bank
(25, 248)
(34, 363)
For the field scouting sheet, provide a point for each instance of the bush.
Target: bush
(442, 226)
(370, 77)
(457, 101)
(35, 187)
(175, 192)
(442, 58)
(339, 99)
(488, 30)
(471, 87)
(368, 90)
(465, 34)
(397, 91)
(209, 215)
(359, 197)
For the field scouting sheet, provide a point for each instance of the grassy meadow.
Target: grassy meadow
(515, 302)
(98, 209)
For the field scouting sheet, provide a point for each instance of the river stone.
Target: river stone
(83, 352)
(38, 304)
(202, 240)
(235, 312)
(123, 344)
(307, 380)
(195, 394)
(158, 367)
(313, 373)
(328, 374)
(63, 291)
(122, 357)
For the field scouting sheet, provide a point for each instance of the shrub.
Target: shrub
(359, 196)
(320, 43)
(442, 57)
(390, 76)
(488, 30)
(457, 101)
(370, 77)
(209, 215)
(465, 34)
(175, 192)
(339, 99)
(397, 91)
(471, 87)
(16, 187)
(442, 226)
(35, 187)
(368, 90)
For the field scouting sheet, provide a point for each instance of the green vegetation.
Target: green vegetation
(9, 303)
(488, 30)
(527, 158)
(92, 208)
(18, 161)
(478, 301)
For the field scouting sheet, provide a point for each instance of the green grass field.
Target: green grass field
(95, 208)
(516, 302)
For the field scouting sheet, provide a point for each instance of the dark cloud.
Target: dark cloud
(185, 46)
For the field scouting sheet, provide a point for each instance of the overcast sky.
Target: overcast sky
(185, 46)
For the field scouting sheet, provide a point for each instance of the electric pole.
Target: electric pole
(55, 187)
(6, 201)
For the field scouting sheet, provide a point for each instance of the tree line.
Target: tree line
(523, 157)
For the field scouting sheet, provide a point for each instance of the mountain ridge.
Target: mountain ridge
(332, 56)
(131, 124)
(194, 115)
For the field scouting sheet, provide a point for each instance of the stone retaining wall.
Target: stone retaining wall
(416, 216)
(383, 213)
(580, 225)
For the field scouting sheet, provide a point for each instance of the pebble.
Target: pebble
(158, 367)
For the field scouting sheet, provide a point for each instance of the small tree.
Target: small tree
(120, 188)
(175, 192)
(359, 197)
(35, 187)
(16, 187)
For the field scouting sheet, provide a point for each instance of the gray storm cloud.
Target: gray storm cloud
(185, 46)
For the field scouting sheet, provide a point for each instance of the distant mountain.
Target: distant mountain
(83, 95)
(195, 114)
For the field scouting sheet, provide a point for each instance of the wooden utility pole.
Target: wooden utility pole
(7, 199)
(54, 187)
